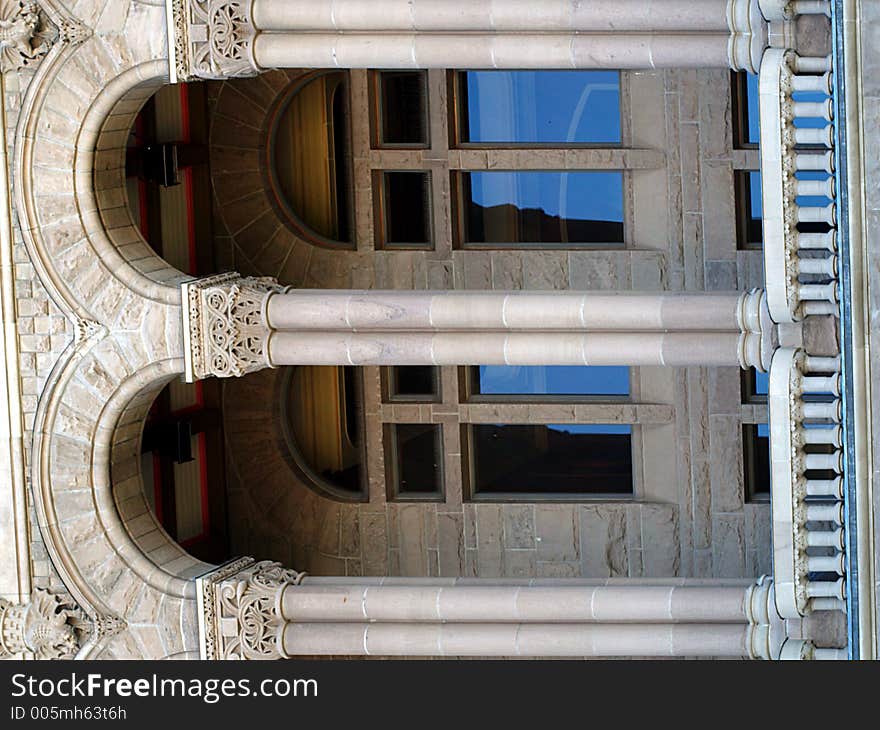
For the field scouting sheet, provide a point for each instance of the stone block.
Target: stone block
(519, 526)
(556, 528)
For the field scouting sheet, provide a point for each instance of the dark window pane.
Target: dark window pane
(533, 208)
(540, 107)
(551, 380)
(418, 458)
(551, 459)
(755, 386)
(404, 107)
(756, 456)
(414, 381)
(407, 208)
(747, 121)
(749, 206)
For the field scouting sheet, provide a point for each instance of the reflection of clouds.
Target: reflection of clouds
(576, 117)
(512, 379)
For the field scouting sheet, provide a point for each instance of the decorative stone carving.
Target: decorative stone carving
(87, 329)
(49, 627)
(213, 39)
(224, 330)
(239, 606)
(28, 31)
(26, 35)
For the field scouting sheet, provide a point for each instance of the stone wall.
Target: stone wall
(689, 515)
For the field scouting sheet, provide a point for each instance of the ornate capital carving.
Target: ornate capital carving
(26, 34)
(224, 329)
(49, 627)
(240, 610)
(212, 39)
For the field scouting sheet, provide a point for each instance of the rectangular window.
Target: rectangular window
(535, 462)
(756, 458)
(538, 209)
(403, 214)
(414, 459)
(746, 120)
(748, 205)
(538, 107)
(402, 109)
(557, 381)
(414, 383)
(755, 386)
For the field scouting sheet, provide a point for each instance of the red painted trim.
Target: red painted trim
(186, 133)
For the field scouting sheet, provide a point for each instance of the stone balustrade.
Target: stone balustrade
(797, 179)
(807, 487)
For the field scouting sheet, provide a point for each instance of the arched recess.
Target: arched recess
(112, 555)
(265, 237)
(279, 513)
(125, 305)
(70, 181)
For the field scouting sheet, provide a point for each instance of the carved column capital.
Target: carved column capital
(225, 331)
(49, 627)
(240, 610)
(211, 39)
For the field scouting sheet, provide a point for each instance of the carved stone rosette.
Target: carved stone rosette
(224, 330)
(213, 39)
(239, 610)
(49, 627)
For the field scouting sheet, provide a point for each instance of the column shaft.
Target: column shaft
(491, 15)
(516, 310)
(533, 640)
(640, 604)
(676, 349)
(492, 50)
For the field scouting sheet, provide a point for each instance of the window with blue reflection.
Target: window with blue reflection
(561, 461)
(754, 123)
(539, 107)
(762, 383)
(749, 209)
(553, 380)
(747, 122)
(540, 208)
(755, 386)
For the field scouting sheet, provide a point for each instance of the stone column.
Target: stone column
(263, 611)
(375, 310)
(222, 38)
(236, 325)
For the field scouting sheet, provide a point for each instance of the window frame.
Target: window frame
(298, 463)
(380, 212)
(471, 495)
(468, 377)
(392, 465)
(459, 227)
(749, 463)
(739, 96)
(389, 380)
(377, 116)
(742, 202)
(277, 198)
(457, 103)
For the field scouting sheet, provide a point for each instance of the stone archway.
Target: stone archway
(133, 582)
